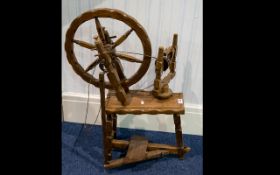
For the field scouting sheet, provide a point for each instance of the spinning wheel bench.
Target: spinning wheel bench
(142, 102)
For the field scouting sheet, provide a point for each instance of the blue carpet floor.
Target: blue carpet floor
(86, 158)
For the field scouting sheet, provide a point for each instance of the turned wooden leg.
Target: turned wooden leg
(109, 138)
(103, 116)
(114, 116)
(179, 136)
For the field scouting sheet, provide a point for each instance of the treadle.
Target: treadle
(137, 149)
(123, 144)
(149, 155)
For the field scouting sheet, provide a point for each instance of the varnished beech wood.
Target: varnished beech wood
(122, 38)
(98, 15)
(179, 137)
(100, 30)
(119, 69)
(103, 114)
(108, 140)
(136, 149)
(115, 119)
(116, 62)
(161, 88)
(84, 44)
(93, 64)
(112, 73)
(128, 58)
(168, 77)
(121, 100)
(123, 144)
(143, 102)
(150, 155)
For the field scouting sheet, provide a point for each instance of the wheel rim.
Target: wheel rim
(117, 15)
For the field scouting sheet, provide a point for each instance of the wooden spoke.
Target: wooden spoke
(128, 58)
(84, 44)
(92, 65)
(122, 38)
(99, 29)
(96, 16)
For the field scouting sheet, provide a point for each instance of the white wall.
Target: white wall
(160, 18)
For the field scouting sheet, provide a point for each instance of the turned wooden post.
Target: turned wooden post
(109, 138)
(172, 65)
(159, 63)
(103, 113)
(179, 136)
(114, 117)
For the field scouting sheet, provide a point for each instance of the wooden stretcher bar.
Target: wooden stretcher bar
(149, 155)
(123, 144)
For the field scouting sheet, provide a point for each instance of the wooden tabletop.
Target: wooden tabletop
(143, 102)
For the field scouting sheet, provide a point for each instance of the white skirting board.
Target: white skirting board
(75, 104)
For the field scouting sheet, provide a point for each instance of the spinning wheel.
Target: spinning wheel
(120, 100)
(109, 46)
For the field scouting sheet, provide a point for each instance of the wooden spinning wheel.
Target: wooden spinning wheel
(120, 100)
(109, 46)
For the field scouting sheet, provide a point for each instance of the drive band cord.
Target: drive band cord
(86, 114)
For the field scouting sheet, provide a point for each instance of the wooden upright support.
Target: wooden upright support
(109, 137)
(112, 73)
(115, 119)
(179, 137)
(103, 113)
(166, 58)
(172, 65)
(159, 64)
